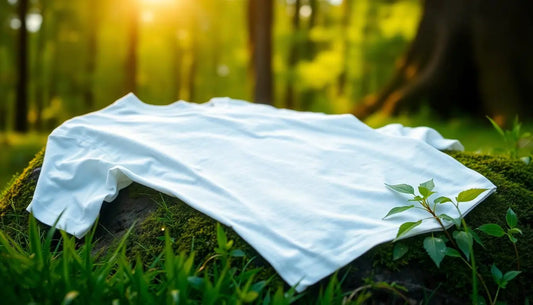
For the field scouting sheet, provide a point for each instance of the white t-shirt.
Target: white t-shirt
(306, 190)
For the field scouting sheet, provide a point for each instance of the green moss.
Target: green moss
(15, 198)
(193, 231)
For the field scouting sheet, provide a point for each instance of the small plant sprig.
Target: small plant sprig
(463, 238)
(515, 140)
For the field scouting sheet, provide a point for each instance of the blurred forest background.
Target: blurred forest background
(62, 58)
(82, 55)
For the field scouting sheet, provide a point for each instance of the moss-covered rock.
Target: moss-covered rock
(151, 213)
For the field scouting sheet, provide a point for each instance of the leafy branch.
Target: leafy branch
(463, 238)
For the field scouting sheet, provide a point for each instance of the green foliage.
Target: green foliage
(188, 50)
(55, 269)
(515, 140)
(463, 238)
(436, 249)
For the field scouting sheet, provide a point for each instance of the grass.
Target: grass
(476, 135)
(55, 268)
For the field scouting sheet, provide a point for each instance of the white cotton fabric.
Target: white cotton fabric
(426, 134)
(306, 190)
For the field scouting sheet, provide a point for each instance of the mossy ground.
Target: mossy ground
(193, 231)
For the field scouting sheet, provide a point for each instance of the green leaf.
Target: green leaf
(464, 242)
(196, 282)
(497, 127)
(496, 274)
(509, 275)
(476, 238)
(515, 231)
(406, 227)
(249, 297)
(492, 229)
(237, 253)
(416, 198)
(436, 249)
(511, 218)
(397, 210)
(442, 199)
(469, 195)
(399, 250)
(221, 237)
(455, 221)
(452, 252)
(512, 238)
(425, 192)
(429, 185)
(402, 188)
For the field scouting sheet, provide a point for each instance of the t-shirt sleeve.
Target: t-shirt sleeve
(72, 185)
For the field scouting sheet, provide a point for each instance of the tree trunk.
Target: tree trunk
(5, 85)
(293, 56)
(40, 79)
(93, 25)
(177, 56)
(21, 114)
(468, 56)
(193, 67)
(131, 57)
(346, 16)
(260, 19)
(309, 52)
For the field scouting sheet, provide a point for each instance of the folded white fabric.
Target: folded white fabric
(306, 190)
(426, 134)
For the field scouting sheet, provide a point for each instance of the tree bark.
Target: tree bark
(21, 113)
(293, 56)
(131, 57)
(5, 87)
(177, 56)
(260, 19)
(193, 67)
(346, 16)
(309, 52)
(93, 25)
(472, 57)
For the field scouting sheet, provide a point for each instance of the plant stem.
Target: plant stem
(475, 275)
(473, 267)
(481, 280)
(496, 295)
(434, 215)
(474, 278)
(517, 257)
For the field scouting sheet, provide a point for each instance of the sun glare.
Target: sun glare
(158, 2)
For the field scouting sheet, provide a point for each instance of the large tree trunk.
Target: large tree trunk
(131, 57)
(21, 121)
(293, 56)
(346, 16)
(468, 56)
(93, 24)
(260, 19)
